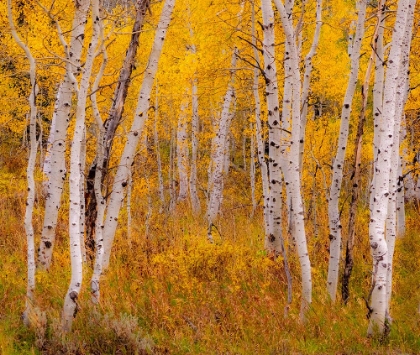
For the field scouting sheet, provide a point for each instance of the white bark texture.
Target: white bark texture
(307, 79)
(292, 178)
(100, 154)
(393, 93)
(195, 201)
(259, 131)
(76, 229)
(391, 221)
(219, 152)
(121, 177)
(273, 237)
(54, 164)
(182, 153)
(30, 170)
(338, 165)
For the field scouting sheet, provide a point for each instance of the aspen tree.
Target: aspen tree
(393, 93)
(391, 230)
(121, 177)
(356, 173)
(292, 177)
(195, 201)
(30, 170)
(113, 120)
(274, 238)
(182, 153)
(219, 152)
(76, 229)
(338, 165)
(54, 163)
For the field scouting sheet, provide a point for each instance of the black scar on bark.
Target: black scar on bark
(48, 244)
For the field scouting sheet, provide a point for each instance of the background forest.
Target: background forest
(209, 177)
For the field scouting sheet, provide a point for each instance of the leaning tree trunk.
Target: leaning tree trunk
(338, 166)
(293, 175)
(30, 170)
(121, 177)
(76, 229)
(112, 122)
(218, 155)
(55, 162)
(393, 92)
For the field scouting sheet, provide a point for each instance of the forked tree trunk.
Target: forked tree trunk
(55, 161)
(121, 177)
(112, 122)
(76, 229)
(292, 178)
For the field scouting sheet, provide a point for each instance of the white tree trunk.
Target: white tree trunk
(259, 132)
(121, 177)
(182, 153)
(273, 237)
(195, 201)
(76, 218)
(393, 92)
(54, 164)
(337, 175)
(307, 79)
(100, 154)
(293, 162)
(218, 155)
(391, 221)
(30, 170)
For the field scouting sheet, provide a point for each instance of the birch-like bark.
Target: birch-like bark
(259, 131)
(99, 197)
(273, 237)
(54, 165)
(76, 229)
(182, 153)
(307, 79)
(195, 201)
(337, 174)
(393, 93)
(391, 221)
(252, 169)
(356, 176)
(219, 151)
(293, 162)
(113, 119)
(30, 170)
(121, 177)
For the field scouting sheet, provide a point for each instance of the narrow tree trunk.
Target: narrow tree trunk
(218, 155)
(121, 176)
(30, 171)
(195, 201)
(157, 151)
(355, 176)
(293, 162)
(76, 229)
(337, 175)
(182, 153)
(55, 162)
(113, 120)
(393, 92)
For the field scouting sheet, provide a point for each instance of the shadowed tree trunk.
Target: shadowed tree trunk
(111, 124)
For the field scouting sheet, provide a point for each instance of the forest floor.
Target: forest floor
(169, 291)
